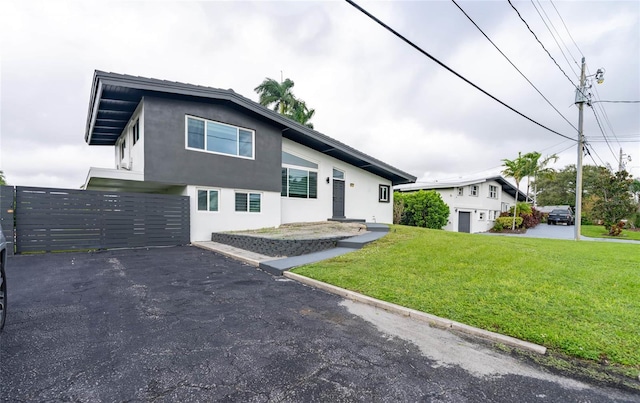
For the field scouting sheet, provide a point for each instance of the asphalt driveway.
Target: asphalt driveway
(184, 324)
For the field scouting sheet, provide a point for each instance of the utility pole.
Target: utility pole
(622, 164)
(581, 98)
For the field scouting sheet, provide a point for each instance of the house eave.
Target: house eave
(122, 93)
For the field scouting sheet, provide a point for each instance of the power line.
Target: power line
(419, 49)
(605, 136)
(541, 44)
(514, 66)
(616, 102)
(567, 29)
(592, 159)
(553, 36)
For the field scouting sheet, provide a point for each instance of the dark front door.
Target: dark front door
(338, 198)
(464, 221)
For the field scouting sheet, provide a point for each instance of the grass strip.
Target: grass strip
(599, 231)
(579, 298)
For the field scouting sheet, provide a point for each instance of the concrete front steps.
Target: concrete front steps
(278, 266)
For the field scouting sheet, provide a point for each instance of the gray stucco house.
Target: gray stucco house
(243, 165)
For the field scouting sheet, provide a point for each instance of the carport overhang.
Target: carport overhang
(114, 98)
(119, 180)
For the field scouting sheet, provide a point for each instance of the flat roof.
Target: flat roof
(114, 97)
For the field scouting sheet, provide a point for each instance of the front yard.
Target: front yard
(576, 298)
(598, 231)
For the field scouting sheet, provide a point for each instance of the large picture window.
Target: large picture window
(219, 138)
(298, 182)
(248, 202)
(207, 200)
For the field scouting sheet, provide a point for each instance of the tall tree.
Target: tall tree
(559, 188)
(301, 113)
(516, 169)
(539, 168)
(3, 180)
(531, 165)
(613, 198)
(276, 94)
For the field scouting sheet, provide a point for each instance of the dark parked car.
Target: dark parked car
(3, 279)
(564, 215)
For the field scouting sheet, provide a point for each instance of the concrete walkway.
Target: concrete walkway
(559, 232)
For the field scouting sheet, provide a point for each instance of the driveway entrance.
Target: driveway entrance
(184, 324)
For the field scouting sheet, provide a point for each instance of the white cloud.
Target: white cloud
(369, 89)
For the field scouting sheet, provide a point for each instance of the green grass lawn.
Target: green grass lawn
(576, 298)
(598, 231)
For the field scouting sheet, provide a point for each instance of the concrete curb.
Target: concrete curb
(432, 320)
(229, 252)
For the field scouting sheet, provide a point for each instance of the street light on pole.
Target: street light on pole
(581, 98)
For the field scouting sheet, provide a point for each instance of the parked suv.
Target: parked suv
(563, 215)
(3, 279)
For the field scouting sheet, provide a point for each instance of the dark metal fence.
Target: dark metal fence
(6, 215)
(50, 220)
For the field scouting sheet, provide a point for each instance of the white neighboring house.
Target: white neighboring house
(244, 166)
(474, 204)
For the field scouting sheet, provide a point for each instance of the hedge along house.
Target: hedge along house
(474, 204)
(244, 166)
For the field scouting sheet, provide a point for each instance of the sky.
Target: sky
(370, 90)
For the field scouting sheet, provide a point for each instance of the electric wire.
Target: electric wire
(616, 102)
(514, 66)
(592, 159)
(541, 44)
(604, 112)
(604, 136)
(553, 36)
(425, 53)
(567, 29)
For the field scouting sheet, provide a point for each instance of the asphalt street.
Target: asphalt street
(184, 324)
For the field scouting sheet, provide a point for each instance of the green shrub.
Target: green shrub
(523, 208)
(497, 226)
(507, 222)
(424, 208)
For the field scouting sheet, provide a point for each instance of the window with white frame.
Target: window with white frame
(135, 131)
(493, 191)
(219, 138)
(338, 174)
(460, 191)
(248, 202)
(123, 148)
(299, 177)
(383, 193)
(474, 190)
(208, 199)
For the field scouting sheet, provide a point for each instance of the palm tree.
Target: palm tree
(516, 169)
(301, 113)
(541, 170)
(276, 93)
(3, 180)
(531, 164)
